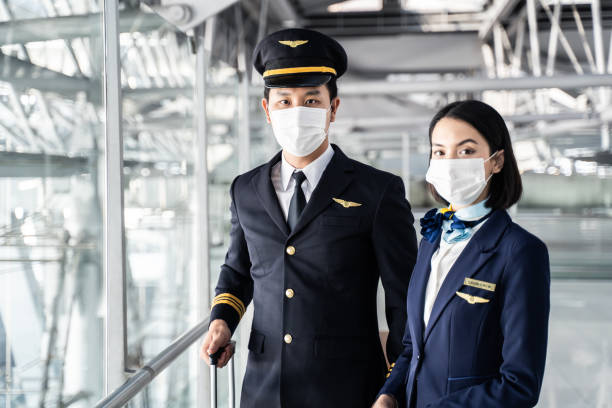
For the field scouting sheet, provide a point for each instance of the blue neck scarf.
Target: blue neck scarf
(454, 225)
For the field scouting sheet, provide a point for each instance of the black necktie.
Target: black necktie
(298, 201)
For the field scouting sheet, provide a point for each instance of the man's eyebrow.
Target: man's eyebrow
(313, 92)
(283, 93)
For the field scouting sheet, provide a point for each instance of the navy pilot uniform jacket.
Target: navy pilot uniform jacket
(485, 342)
(314, 340)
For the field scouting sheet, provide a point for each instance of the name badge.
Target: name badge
(475, 283)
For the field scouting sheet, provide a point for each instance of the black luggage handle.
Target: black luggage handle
(214, 359)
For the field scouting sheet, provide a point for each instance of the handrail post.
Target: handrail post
(203, 36)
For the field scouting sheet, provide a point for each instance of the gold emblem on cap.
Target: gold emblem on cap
(346, 204)
(294, 44)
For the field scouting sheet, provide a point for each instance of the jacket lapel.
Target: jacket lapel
(416, 292)
(336, 177)
(474, 256)
(262, 184)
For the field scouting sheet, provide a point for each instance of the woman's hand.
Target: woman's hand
(385, 401)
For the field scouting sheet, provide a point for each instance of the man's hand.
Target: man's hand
(218, 336)
(385, 401)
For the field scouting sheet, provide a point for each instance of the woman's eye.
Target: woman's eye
(438, 153)
(467, 152)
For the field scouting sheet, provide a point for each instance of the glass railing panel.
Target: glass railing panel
(159, 195)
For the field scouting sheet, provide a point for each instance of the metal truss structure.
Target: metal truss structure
(544, 64)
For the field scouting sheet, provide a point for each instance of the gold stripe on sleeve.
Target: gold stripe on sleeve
(229, 299)
(228, 302)
(238, 305)
(233, 297)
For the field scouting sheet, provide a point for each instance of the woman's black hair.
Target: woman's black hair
(506, 187)
(332, 87)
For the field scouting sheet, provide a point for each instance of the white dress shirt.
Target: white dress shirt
(441, 263)
(284, 184)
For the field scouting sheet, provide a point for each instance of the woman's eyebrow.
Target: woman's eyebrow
(458, 144)
(467, 141)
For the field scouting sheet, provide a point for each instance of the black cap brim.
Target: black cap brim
(297, 81)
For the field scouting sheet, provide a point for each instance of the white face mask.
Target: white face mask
(458, 181)
(300, 130)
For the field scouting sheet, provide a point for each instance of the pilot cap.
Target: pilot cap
(297, 57)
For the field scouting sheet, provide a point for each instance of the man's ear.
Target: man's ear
(264, 105)
(335, 103)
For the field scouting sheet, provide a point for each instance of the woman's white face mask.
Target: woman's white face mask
(458, 181)
(300, 130)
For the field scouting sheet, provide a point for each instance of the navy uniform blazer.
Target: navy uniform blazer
(484, 345)
(314, 340)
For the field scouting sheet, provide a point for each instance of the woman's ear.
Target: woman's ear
(264, 105)
(498, 161)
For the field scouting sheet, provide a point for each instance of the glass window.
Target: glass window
(157, 73)
(51, 150)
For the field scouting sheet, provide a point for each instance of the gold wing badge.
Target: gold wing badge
(346, 204)
(471, 299)
(294, 44)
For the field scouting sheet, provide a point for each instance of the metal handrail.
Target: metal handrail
(149, 371)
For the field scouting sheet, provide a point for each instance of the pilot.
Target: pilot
(312, 231)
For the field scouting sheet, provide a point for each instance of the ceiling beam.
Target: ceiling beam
(23, 74)
(474, 85)
(74, 26)
(403, 122)
(29, 165)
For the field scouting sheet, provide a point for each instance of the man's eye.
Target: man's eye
(311, 101)
(284, 102)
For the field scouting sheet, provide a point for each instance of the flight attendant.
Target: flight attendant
(479, 297)
(312, 231)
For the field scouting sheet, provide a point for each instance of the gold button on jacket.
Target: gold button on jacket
(289, 293)
(288, 339)
(291, 250)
